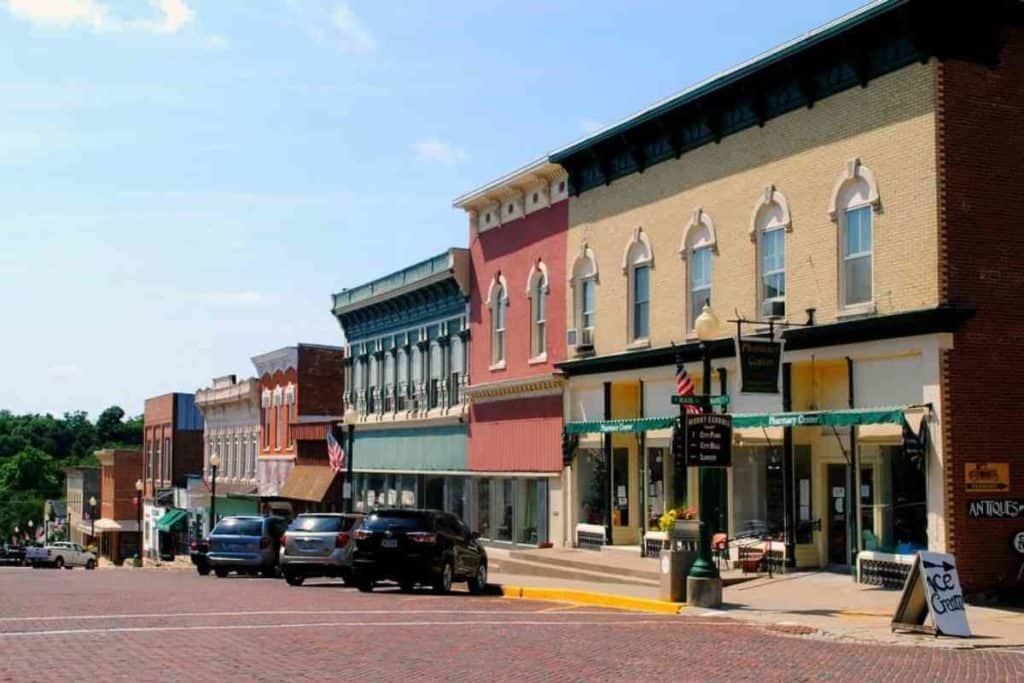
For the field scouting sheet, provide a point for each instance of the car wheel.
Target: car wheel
(203, 571)
(59, 563)
(406, 586)
(365, 585)
(478, 582)
(293, 580)
(90, 564)
(346, 578)
(443, 583)
(221, 572)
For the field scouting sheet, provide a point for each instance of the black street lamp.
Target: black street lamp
(31, 533)
(92, 517)
(214, 463)
(706, 326)
(138, 506)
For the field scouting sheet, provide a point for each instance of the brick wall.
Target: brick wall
(187, 447)
(512, 250)
(980, 138)
(889, 125)
(281, 378)
(321, 381)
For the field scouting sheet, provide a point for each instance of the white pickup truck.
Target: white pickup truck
(60, 554)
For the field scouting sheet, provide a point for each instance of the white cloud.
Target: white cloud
(590, 126)
(352, 35)
(235, 298)
(64, 373)
(96, 16)
(217, 43)
(439, 151)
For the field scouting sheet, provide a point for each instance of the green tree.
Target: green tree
(31, 470)
(108, 425)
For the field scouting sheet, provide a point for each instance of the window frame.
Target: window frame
(855, 189)
(845, 259)
(698, 237)
(498, 303)
(537, 290)
(638, 258)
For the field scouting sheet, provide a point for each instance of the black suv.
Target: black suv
(418, 547)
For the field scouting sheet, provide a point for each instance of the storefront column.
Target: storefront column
(852, 479)
(790, 506)
(607, 457)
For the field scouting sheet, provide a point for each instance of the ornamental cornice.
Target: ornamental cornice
(525, 387)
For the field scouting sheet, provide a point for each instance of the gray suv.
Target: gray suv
(246, 544)
(318, 544)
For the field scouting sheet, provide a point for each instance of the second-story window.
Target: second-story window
(636, 266)
(371, 391)
(857, 256)
(403, 379)
(584, 295)
(773, 270)
(854, 201)
(499, 300)
(700, 282)
(434, 386)
(389, 382)
(641, 302)
(537, 291)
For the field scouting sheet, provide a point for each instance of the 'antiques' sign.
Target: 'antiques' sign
(709, 440)
(759, 365)
(996, 508)
(987, 477)
(933, 587)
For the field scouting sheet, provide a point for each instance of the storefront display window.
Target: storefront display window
(593, 494)
(456, 494)
(902, 502)
(802, 490)
(527, 512)
(483, 507)
(503, 502)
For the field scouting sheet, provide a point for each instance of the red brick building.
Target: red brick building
(517, 324)
(118, 525)
(302, 392)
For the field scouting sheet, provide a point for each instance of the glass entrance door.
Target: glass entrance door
(837, 544)
(624, 524)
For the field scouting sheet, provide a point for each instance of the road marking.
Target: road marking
(265, 613)
(362, 625)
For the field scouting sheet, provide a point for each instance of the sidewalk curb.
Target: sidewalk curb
(579, 597)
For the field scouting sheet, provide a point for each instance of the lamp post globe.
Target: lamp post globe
(139, 485)
(706, 325)
(92, 517)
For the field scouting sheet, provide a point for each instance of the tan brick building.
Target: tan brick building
(855, 190)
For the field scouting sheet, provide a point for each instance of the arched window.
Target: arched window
(497, 300)
(537, 291)
(854, 201)
(697, 248)
(583, 280)
(768, 227)
(637, 262)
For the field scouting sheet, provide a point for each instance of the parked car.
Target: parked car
(12, 554)
(418, 547)
(60, 554)
(246, 544)
(318, 544)
(198, 554)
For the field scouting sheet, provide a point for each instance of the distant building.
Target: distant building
(118, 525)
(172, 450)
(231, 418)
(302, 391)
(406, 377)
(81, 484)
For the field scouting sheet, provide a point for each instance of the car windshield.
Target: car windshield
(317, 523)
(397, 520)
(239, 527)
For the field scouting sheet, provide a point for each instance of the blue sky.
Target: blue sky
(183, 183)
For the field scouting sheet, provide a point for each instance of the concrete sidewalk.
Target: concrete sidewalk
(820, 604)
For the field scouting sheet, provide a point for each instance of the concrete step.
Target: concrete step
(522, 567)
(618, 573)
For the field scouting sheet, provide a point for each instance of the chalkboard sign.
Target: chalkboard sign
(933, 588)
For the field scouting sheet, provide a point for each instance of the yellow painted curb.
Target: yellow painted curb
(578, 597)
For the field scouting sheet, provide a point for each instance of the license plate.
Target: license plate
(389, 543)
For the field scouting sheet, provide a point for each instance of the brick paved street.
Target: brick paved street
(120, 624)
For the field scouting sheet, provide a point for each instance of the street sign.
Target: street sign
(700, 400)
(987, 477)
(709, 440)
(760, 361)
(933, 587)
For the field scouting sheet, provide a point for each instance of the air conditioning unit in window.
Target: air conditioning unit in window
(570, 337)
(586, 341)
(773, 309)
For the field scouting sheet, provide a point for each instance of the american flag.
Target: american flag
(335, 454)
(684, 387)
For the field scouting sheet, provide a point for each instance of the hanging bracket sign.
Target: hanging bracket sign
(760, 362)
(932, 588)
(709, 440)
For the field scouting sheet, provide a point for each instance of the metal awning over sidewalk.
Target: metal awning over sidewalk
(895, 415)
(170, 519)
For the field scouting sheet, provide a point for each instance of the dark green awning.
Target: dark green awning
(170, 519)
(639, 424)
(811, 418)
(822, 418)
